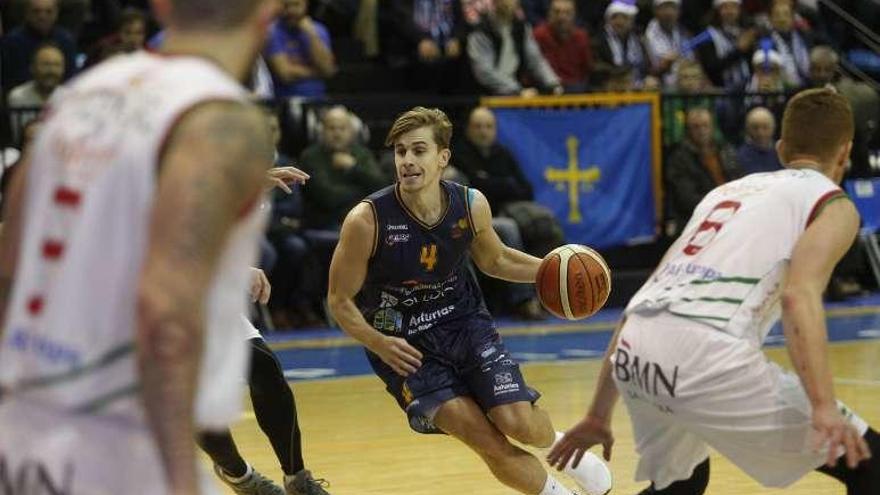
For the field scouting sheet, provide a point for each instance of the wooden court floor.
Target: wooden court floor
(355, 436)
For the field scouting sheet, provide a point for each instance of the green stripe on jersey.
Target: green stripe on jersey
(728, 300)
(699, 317)
(727, 280)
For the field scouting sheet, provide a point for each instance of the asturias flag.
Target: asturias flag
(591, 166)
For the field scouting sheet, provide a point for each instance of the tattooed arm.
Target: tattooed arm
(10, 235)
(211, 171)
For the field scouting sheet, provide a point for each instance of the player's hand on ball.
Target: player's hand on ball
(261, 289)
(280, 177)
(588, 432)
(839, 434)
(403, 358)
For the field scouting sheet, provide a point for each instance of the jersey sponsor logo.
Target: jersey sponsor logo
(43, 347)
(388, 301)
(429, 296)
(388, 320)
(397, 227)
(393, 239)
(676, 269)
(504, 384)
(644, 375)
(33, 476)
(459, 229)
(426, 320)
(428, 257)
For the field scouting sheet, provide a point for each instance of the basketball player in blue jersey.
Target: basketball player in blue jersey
(400, 284)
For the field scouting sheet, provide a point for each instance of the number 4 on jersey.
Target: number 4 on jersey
(428, 257)
(709, 228)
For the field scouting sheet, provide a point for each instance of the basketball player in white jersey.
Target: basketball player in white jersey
(687, 358)
(127, 246)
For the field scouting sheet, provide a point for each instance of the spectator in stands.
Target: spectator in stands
(132, 31)
(619, 80)
(566, 46)
(726, 55)
(865, 102)
(665, 42)
(17, 48)
(618, 45)
(296, 286)
(689, 92)
(27, 99)
(792, 45)
(758, 152)
(767, 73)
(696, 166)
(492, 169)
(429, 36)
(299, 52)
(130, 36)
(505, 58)
(342, 171)
(47, 68)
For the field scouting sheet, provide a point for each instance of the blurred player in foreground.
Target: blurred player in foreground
(271, 396)
(126, 247)
(687, 357)
(420, 313)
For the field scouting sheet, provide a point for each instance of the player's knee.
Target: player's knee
(517, 426)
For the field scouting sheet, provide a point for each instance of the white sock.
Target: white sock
(591, 474)
(553, 487)
(231, 479)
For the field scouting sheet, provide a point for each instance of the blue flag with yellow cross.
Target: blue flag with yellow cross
(591, 166)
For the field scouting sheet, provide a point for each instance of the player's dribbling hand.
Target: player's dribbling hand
(280, 177)
(838, 433)
(588, 432)
(403, 358)
(261, 289)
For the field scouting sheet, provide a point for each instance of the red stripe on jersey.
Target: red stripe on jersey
(35, 305)
(67, 197)
(624, 343)
(822, 202)
(53, 249)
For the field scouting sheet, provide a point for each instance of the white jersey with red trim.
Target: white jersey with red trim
(728, 268)
(69, 338)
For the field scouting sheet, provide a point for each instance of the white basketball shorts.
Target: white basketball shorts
(46, 451)
(689, 387)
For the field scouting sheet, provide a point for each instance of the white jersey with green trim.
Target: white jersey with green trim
(728, 268)
(69, 338)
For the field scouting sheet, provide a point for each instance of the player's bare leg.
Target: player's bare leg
(530, 425)
(524, 422)
(462, 418)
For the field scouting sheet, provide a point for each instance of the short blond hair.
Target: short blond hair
(816, 123)
(420, 117)
(222, 14)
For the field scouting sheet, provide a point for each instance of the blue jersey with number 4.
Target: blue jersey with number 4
(418, 276)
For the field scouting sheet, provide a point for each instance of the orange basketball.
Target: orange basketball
(573, 282)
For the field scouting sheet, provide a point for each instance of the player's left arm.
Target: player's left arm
(816, 253)
(10, 235)
(490, 254)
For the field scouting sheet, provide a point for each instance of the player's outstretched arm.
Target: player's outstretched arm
(490, 254)
(348, 270)
(212, 172)
(595, 427)
(820, 247)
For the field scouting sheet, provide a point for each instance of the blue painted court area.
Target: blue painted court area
(321, 354)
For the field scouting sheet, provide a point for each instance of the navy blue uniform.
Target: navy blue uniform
(419, 286)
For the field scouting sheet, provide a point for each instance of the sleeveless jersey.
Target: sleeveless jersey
(418, 276)
(69, 337)
(728, 268)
